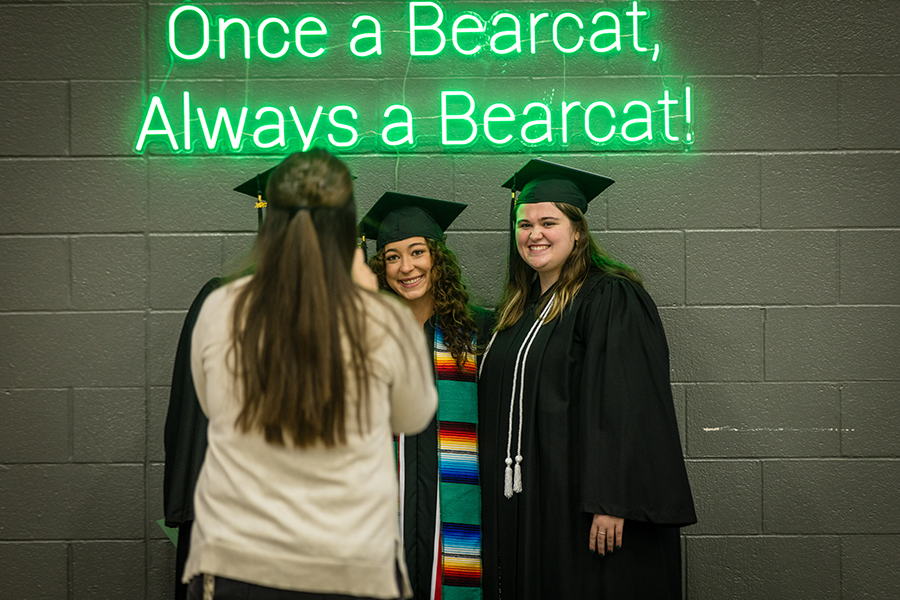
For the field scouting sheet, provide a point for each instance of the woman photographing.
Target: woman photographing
(583, 478)
(304, 376)
(440, 495)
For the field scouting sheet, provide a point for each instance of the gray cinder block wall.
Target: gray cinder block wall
(772, 247)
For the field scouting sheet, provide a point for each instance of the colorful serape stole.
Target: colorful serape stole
(457, 573)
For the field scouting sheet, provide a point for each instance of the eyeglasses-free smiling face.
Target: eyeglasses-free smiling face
(407, 268)
(545, 238)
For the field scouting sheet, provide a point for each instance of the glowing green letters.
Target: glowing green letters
(577, 117)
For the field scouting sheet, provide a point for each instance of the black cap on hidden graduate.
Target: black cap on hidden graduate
(542, 181)
(396, 217)
(256, 187)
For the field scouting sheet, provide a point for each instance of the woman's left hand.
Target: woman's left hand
(606, 534)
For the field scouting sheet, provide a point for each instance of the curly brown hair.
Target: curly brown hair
(451, 299)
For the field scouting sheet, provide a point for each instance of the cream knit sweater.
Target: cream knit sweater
(314, 519)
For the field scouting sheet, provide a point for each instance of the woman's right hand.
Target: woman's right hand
(361, 274)
(606, 534)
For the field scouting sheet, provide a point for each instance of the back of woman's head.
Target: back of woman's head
(291, 317)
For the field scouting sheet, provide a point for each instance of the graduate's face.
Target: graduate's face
(545, 238)
(407, 268)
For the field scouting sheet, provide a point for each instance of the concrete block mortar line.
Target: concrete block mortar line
(70, 430)
(762, 496)
(70, 571)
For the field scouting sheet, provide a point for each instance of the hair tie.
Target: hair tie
(293, 210)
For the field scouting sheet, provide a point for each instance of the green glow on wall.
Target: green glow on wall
(551, 113)
(407, 125)
(615, 31)
(556, 22)
(374, 35)
(224, 24)
(515, 33)
(488, 119)
(156, 107)
(173, 17)
(459, 29)
(446, 117)
(307, 133)
(354, 134)
(587, 122)
(302, 31)
(414, 28)
(261, 42)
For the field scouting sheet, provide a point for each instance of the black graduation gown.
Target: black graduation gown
(420, 494)
(599, 436)
(185, 440)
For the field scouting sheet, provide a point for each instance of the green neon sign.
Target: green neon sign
(452, 116)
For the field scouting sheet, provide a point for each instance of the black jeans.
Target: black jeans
(230, 589)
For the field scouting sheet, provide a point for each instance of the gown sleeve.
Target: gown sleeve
(631, 460)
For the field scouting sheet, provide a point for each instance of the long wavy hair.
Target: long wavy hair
(451, 299)
(586, 254)
(291, 317)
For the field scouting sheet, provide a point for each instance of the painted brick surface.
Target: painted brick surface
(157, 408)
(869, 117)
(660, 255)
(40, 128)
(714, 344)
(72, 349)
(763, 419)
(870, 262)
(62, 502)
(163, 331)
(109, 425)
(728, 496)
(74, 196)
(94, 130)
(826, 496)
(22, 258)
(830, 190)
(71, 42)
(684, 191)
(34, 570)
(180, 265)
(108, 569)
(770, 245)
(34, 426)
(749, 568)
(762, 267)
(868, 566)
(109, 272)
(870, 412)
(807, 36)
(756, 113)
(832, 343)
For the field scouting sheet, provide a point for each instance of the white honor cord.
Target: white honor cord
(514, 483)
(437, 543)
(486, 350)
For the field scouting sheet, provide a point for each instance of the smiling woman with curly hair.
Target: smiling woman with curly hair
(438, 467)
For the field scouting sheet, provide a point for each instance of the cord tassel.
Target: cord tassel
(508, 479)
(517, 479)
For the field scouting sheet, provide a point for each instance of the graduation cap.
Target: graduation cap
(542, 181)
(256, 187)
(396, 217)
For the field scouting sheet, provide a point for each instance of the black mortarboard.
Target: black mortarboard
(395, 217)
(542, 181)
(256, 187)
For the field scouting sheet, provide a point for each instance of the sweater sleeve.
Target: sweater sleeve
(412, 391)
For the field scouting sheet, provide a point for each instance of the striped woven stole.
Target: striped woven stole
(458, 559)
